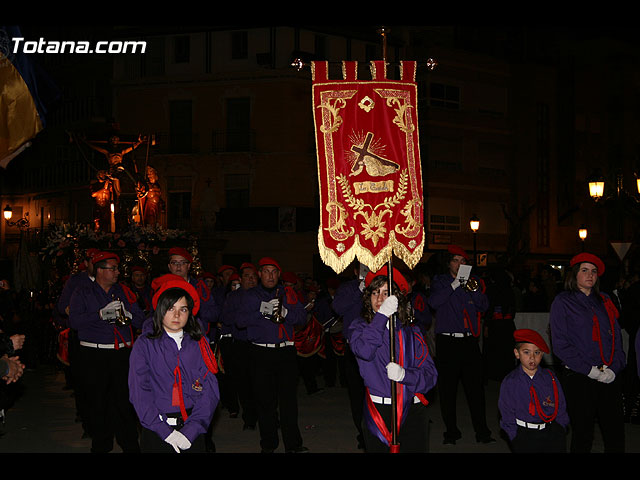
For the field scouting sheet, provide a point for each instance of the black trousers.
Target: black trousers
(590, 402)
(77, 384)
(459, 359)
(275, 375)
(104, 375)
(355, 389)
(412, 437)
(226, 381)
(243, 378)
(551, 439)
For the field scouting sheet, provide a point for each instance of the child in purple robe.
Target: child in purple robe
(532, 405)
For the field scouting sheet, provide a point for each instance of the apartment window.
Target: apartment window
(179, 202)
(153, 60)
(445, 154)
(321, 47)
(238, 124)
(444, 223)
(239, 45)
(237, 190)
(371, 53)
(181, 49)
(444, 214)
(180, 126)
(444, 96)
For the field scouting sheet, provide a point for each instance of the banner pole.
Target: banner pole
(392, 354)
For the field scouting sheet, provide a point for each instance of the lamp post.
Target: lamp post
(474, 224)
(622, 202)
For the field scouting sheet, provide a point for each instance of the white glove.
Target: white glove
(595, 373)
(274, 304)
(395, 372)
(127, 313)
(455, 284)
(109, 309)
(607, 375)
(361, 286)
(389, 306)
(178, 441)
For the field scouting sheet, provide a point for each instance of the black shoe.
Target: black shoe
(450, 438)
(298, 450)
(486, 440)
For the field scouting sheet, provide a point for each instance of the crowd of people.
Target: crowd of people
(151, 358)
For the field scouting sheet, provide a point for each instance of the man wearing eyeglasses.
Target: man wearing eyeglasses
(105, 314)
(179, 264)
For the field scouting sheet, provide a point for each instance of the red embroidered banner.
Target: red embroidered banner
(369, 171)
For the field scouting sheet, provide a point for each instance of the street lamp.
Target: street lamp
(474, 224)
(582, 233)
(597, 184)
(21, 223)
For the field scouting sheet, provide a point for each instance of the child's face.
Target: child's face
(530, 357)
(379, 296)
(176, 317)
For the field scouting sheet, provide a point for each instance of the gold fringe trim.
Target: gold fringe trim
(364, 255)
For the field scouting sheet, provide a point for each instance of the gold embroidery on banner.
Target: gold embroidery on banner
(410, 214)
(364, 156)
(366, 104)
(398, 98)
(337, 230)
(374, 229)
(333, 109)
(373, 187)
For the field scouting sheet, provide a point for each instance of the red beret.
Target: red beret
(234, 276)
(269, 261)
(248, 265)
(527, 335)
(104, 256)
(167, 282)
(208, 275)
(226, 267)
(91, 252)
(156, 283)
(398, 278)
(138, 268)
(590, 258)
(182, 252)
(456, 250)
(289, 277)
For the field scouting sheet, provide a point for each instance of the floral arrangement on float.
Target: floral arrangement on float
(139, 245)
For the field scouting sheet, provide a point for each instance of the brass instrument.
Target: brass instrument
(471, 285)
(121, 319)
(277, 317)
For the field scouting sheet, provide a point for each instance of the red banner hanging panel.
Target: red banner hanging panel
(369, 170)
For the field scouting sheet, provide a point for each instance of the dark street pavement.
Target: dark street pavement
(42, 420)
